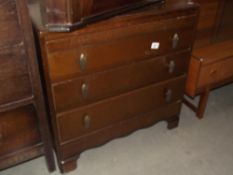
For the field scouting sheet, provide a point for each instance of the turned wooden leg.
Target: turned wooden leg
(68, 165)
(173, 122)
(202, 104)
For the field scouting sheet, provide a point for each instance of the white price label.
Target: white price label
(155, 45)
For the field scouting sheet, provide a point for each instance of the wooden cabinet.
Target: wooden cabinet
(24, 132)
(66, 15)
(115, 76)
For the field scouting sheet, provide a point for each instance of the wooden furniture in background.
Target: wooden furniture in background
(116, 76)
(225, 24)
(210, 67)
(66, 15)
(215, 22)
(215, 25)
(210, 11)
(24, 132)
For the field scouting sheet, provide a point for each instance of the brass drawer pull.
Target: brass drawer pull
(82, 61)
(87, 121)
(84, 90)
(213, 73)
(168, 95)
(175, 40)
(171, 66)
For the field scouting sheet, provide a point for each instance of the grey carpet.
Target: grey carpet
(196, 147)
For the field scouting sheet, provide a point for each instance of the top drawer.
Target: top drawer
(77, 55)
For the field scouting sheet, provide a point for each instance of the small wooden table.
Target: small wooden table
(210, 67)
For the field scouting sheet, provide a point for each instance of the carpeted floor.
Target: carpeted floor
(196, 147)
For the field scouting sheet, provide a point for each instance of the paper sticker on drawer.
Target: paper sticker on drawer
(155, 45)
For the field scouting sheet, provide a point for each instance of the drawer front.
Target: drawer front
(14, 89)
(209, 74)
(18, 129)
(96, 116)
(87, 89)
(84, 54)
(13, 62)
(14, 77)
(10, 32)
(215, 73)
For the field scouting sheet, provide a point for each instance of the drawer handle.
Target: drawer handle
(171, 66)
(82, 61)
(168, 95)
(87, 121)
(84, 90)
(213, 73)
(175, 40)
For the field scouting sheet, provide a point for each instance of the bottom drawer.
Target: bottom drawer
(91, 118)
(73, 149)
(18, 130)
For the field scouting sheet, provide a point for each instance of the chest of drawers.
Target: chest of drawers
(24, 132)
(116, 76)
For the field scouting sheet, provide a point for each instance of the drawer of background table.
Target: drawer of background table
(92, 117)
(215, 72)
(82, 54)
(18, 129)
(76, 92)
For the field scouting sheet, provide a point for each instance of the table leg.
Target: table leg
(202, 104)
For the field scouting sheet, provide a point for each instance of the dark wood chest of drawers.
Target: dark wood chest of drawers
(116, 76)
(24, 130)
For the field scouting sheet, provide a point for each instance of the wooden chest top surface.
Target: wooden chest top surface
(214, 52)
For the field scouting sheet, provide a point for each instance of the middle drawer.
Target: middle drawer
(80, 91)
